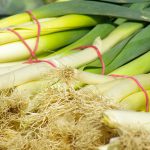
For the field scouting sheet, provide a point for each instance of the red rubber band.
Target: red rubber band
(139, 85)
(38, 61)
(38, 29)
(122, 76)
(98, 54)
(23, 41)
(32, 52)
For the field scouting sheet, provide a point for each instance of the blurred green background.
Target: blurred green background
(9, 7)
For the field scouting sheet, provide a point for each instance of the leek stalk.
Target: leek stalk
(127, 87)
(63, 23)
(138, 66)
(134, 120)
(74, 7)
(117, 90)
(135, 101)
(82, 77)
(137, 46)
(17, 51)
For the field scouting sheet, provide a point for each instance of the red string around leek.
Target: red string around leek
(33, 58)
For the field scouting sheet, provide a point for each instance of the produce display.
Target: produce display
(75, 75)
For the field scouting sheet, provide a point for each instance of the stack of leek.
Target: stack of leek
(53, 103)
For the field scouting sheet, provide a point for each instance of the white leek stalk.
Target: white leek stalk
(127, 87)
(34, 87)
(134, 120)
(117, 90)
(105, 147)
(100, 88)
(17, 51)
(135, 101)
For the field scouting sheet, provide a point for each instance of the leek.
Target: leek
(49, 26)
(127, 87)
(137, 46)
(126, 51)
(32, 88)
(17, 51)
(137, 6)
(119, 89)
(103, 147)
(74, 7)
(135, 101)
(100, 88)
(108, 57)
(134, 120)
(138, 66)
(102, 30)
